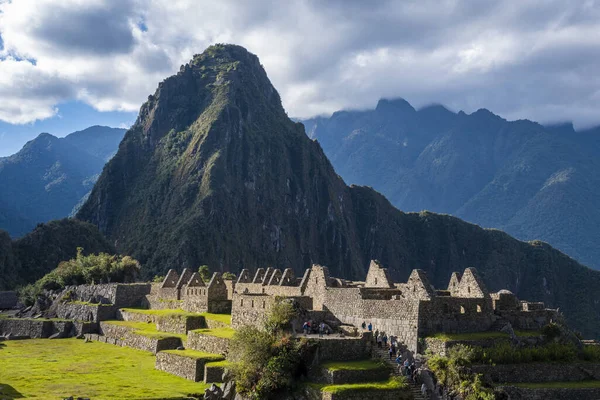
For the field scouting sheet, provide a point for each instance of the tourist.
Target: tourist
(364, 325)
(391, 353)
(393, 348)
(379, 340)
(370, 327)
(406, 369)
(321, 329)
(424, 390)
(305, 328)
(385, 339)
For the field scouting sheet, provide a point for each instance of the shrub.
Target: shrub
(229, 276)
(158, 278)
(282, 313)
(204, 272)
(95, 268)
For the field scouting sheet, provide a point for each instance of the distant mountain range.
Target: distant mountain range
(214, 172)
(50, 176)
(532, 181)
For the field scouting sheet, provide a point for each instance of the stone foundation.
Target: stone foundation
(515, 393)
(539, 372)
(213, 373)
(185, 367)
(124, 336)
(206, 343)
(85, 312)
(343, 376)
(35, 329)
(343, 349)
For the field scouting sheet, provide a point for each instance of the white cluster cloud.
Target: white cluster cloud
(534, 59)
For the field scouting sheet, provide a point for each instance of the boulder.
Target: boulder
(229, 391)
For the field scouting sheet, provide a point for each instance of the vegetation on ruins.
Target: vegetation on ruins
(229, 276)
(452, 372)
(90, 269)
(204, 272)
(269, 361)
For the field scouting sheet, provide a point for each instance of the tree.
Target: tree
(204, 272)
(229, 276)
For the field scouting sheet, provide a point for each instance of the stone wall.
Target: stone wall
(180, 323)
(539, 372)
(8, 300)
(530, 320)
(35, 329)
(176, 364)
(515, 393)
(213, 373)
(206, 343)
(397, 394)
(85, 312)
(343, 376)
(131, 295)
(398, 317)
(124, 336)
(250, 309)
(343, 349)
(455, 315)
(104, 293)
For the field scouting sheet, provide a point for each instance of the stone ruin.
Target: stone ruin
(409, 311)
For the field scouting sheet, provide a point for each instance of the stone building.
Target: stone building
(410, 310)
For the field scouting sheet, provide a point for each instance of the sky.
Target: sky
(71, 64)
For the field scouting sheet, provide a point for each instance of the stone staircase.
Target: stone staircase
(383, 354)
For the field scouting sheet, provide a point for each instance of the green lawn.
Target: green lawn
(394, 383)
(480, 335)
(147, 329)
(226, 333)
(362, 365)
(196, 355)
(558, 385)
(55, 369)
(224, 318)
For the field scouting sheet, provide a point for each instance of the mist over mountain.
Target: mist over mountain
(532, 181)
(50, 176)
(214, 172)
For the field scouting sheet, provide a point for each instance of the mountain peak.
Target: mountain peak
(394, 105)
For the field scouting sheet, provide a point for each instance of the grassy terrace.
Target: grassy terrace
(223, 363)
(362, 365)
(224, 318)
(226, 333)
(55, 369)
(557, 385)
(146, 329)
(395, 383)
(198, 355)
(446, 337)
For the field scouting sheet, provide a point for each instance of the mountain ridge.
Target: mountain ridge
(49, 176)
(478, 166)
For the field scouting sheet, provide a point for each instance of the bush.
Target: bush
(266, 363)
(92, 269)
(204, 272)
(158, 278)
(281, 315)
(229, 276)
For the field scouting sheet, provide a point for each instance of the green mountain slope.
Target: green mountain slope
(534, 182)
(29, 258)
(50, 176)
(214, 172)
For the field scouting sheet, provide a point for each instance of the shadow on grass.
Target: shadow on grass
(9, 392)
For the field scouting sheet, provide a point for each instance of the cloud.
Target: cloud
(532, 59)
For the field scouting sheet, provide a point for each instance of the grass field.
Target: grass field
(395, 383)
(226, 333)
(361, 365)
(55, 369)
(147, 329)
